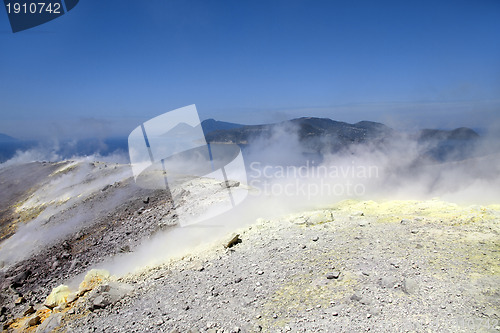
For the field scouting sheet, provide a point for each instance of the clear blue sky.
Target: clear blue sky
(113, 64)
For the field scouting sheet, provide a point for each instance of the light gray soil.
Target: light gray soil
(394, 266)
(332, 270)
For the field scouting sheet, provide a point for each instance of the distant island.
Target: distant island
(315, 135)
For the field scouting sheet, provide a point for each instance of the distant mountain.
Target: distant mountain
(9, 146)
(447, 145)
(183, 131)
(316, 134)
(324, 135)
(212, 125)
(66, 149)
(462, 133)
(6, 138)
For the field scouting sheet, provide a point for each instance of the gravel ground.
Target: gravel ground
(356, 266)
(399, 266)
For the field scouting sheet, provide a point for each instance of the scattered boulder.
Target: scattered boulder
(50, 324)
(124, 249)
(232, 240)
(71, 297)
(18, 280)
(110, 293)
(179, 194)
(100, 302)
(409, 286)
(93, 278)
(57, 296)
(365, 301)
(29, 310)
(229, 183)
(60, 307)
(333, 275)
(388, 281)
(394, 263)
(361, 299)
(145, 200)
(34, 320)
(106, 187)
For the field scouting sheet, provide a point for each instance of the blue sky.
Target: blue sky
(110, 65)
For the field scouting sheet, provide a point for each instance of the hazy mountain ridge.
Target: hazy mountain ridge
(7, 138)
(324, 135)
(65, 149)
(308, 127)
(211, 125)
(315, 135)
(461, 133)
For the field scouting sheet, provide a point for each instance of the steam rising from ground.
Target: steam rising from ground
(200, 237)
(398, 168)
(286, 176)
(55, 149)
(40, 154)
(56, 207)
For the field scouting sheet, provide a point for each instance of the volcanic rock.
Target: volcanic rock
(409, 286)
(229, 183)
(388, 281)
(57, 296)
(93, 278)
(110, 293)
(29, 310)
(232, 240)
(32, 321)
(19, 279)
(333, 275)
(50, 324)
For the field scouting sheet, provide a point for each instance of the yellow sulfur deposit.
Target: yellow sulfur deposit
(93, 278)
(57, 296)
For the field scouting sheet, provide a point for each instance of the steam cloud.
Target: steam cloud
(285, 176)
(398, 168)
